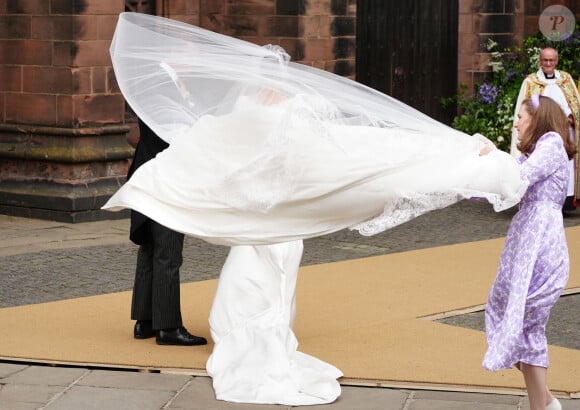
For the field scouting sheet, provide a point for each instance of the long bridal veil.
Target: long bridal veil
(263, 153)
(264, 150)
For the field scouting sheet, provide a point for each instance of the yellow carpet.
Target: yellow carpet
(365, 316)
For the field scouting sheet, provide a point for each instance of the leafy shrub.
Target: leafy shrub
(489, 108)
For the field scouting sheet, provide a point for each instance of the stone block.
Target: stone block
(318, 7)
(497, 6)
(134, 380)
(339, 7)
(353, 398)
(240, 26)
(466, 397)
(19, 396)
(295, 47)
(344, 47)
(112, 85)
(251, 7)
(319, 49)
(314, 26)
(212, 7)
(98, 109)
(178, 7)
(92, 53)
(6, 369)
(27, 52)
(344, 68)
(99, 80)
(100, 6)
(47, 80)
(37, 146)
(15, 27)
(497, 23)
(468, 43)
(82, 397)
(63, 53)
(469, 6)
(65, 111)
(81, 80)
(46, 27)
(30, 109)
(282, 26)
(465, 24)
(86, 27)
(343, 26)
(45, 375)
(66, 7)
(61, 174)
(106, 27)
(10, 78)
(290, 7)
(27, 7)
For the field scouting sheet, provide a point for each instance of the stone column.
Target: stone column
(63, 146)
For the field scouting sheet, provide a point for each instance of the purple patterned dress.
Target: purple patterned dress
(534, 266)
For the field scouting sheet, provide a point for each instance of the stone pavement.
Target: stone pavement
(43, 261)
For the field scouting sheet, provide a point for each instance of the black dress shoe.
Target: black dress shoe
(178, 336)
(143, 329)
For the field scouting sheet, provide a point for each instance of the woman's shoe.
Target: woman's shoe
(554, 405)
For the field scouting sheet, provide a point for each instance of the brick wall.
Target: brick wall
(320, 33)
(479, 21)
(507, 22)
(63, 147)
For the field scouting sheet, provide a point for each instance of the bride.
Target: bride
(264, 153)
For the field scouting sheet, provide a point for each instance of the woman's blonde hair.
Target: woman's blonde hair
(546, 116)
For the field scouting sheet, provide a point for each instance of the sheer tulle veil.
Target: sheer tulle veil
(297, 151)
(173, 73)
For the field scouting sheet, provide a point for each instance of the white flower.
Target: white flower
(491, 44)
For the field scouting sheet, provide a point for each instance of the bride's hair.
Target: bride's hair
(547, 117)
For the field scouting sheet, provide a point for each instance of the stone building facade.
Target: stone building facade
(64, 133)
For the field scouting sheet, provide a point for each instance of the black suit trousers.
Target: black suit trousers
(156, 293)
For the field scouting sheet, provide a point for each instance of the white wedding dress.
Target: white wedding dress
(255, 357)
(264, 153)
(365, 178)
(224, 180)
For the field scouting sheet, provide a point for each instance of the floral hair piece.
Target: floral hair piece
(535, 101)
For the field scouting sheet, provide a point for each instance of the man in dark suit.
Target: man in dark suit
(156, 305)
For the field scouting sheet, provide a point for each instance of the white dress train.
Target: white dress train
(255, 357)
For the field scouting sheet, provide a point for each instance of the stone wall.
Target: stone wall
(320, 33)
(63, 147)
(63, 132)
(63, 129)
(507, 22)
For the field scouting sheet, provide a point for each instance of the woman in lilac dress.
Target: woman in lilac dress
(534, 264)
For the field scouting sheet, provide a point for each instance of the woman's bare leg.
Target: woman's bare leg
(535, 378)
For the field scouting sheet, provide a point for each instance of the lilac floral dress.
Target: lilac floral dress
(534, 265)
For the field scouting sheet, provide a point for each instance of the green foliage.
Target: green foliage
(489, 110)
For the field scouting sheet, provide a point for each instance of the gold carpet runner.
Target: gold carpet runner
(365, 316)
